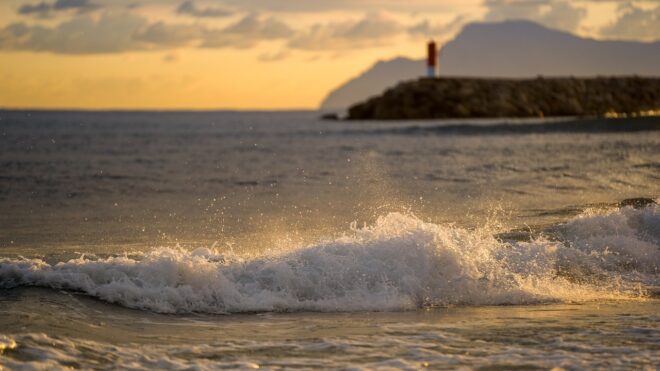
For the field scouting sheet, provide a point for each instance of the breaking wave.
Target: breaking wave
(399, 263)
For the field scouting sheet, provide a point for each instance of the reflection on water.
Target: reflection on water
(263, 214)
(101, 181)
(604, 335)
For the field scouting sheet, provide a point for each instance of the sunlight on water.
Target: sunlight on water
(242, 240)
(399, 263)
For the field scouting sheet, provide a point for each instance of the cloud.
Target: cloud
(42, 10)
(74, 4)
(429, 30)
(125, 31)
(190, 8)
(348, 5)
(558, 14)
(110, 33)
(634, 23)
(46, 10)
(372, 30)
(563, 16)
(166, 35)
(273, 57)
(246, 32)
(120, 32)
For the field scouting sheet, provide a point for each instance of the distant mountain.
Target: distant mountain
(514, 49)
(381, 76)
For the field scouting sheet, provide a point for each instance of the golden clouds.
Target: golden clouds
(239, 54)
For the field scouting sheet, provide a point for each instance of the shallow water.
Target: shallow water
(90, 333)
(226, 239)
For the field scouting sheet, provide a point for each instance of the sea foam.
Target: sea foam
(399, 263)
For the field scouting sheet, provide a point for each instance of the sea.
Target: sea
(277, 240)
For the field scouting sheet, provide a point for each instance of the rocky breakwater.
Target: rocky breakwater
(482, 97)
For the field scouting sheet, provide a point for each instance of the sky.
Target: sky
(248, 54)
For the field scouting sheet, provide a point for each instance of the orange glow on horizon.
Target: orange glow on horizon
(285, 73)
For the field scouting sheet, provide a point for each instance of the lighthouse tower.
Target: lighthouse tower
(431, 59)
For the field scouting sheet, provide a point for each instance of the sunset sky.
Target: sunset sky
(247, 54)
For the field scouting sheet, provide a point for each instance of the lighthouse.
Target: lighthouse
(431, 59)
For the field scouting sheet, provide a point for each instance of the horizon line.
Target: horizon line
(163, 110)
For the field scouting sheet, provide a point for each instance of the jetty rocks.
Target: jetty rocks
(434, 98)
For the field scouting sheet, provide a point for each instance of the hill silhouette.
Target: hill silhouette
(511, 49)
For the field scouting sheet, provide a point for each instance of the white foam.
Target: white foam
(628, 237)
(399, 263)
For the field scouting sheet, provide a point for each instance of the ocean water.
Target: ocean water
(208, 240)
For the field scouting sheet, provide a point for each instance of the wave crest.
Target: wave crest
(399, 263)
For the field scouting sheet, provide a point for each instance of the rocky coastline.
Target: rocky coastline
(436, 98)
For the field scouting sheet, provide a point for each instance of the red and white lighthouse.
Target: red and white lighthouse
(431, 59)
